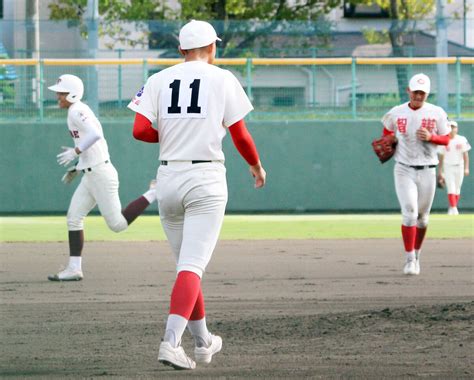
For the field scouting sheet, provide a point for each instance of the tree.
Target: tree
(267, 16)
(114, 14)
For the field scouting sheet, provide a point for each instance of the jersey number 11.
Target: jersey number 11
(193, 107)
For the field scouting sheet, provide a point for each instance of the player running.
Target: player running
(419, 127)
(454, 166)
(99, 184)
(194, 104)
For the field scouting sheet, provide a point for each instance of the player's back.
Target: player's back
(195, 101)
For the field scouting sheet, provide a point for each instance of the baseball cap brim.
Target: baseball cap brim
(57, 88)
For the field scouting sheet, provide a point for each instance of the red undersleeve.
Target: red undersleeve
(243, 142)
(387, 132)
(440, 140)
(142, 130)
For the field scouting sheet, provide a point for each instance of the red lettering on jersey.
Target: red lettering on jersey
(74, 134)
(429, 124)
(402, 125)
(458, 146)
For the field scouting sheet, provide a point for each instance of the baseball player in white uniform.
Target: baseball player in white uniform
(193, 104)
(454, 165)
(99, 184)
(419, 127)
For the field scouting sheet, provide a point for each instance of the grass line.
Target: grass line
(240, 227)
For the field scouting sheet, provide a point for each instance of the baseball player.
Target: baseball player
(99, 184)
(194, 104)
(453, 166)
(419, 127)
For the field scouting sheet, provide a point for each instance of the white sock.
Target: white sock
(410, 256)
(75, 262)
(417, 253)
(150, 195)
(199, 331)
(175, 327)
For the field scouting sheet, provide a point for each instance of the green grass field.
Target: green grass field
(241, 227)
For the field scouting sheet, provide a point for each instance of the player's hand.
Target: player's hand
(423, 134)
(466, 172)
(67, 156)
(69, 176)
(259, 173)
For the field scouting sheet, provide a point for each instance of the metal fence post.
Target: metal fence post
(41, 94)
(458, 88)
(313, 78)
(249, 80)
(145, 70)
(120, 79)
(354, 88)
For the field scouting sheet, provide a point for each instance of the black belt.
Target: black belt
(90, 169)
(192, 162)
(419, 167)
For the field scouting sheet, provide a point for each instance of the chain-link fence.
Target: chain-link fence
(280, 89)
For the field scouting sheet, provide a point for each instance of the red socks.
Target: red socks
(409, 236)
(413, 237)
(453, 200)
(199, 311)
(186, 291)
(420, 236)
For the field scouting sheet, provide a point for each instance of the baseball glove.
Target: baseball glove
(384, 147)
(70, 174)
(440, 182)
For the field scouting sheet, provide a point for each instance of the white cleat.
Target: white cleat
(417, 267)
(410, 268)
(453, 211)
(174, 357)
(67, 274)
(204, 354)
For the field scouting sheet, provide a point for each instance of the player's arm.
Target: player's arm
(244, 143)
(440, 165)
(91, 136)
(143, 130)
(465, 157)
(425, 135)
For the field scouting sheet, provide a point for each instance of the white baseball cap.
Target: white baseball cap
(452, 123)
(420, 82)
(196, 34)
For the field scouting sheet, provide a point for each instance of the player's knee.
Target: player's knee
(422, 221)
(74, 223)
(116, 224)
(409, 219)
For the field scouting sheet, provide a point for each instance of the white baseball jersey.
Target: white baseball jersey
(453, 153)
(405, 121)
(192, 103)
(84, 128)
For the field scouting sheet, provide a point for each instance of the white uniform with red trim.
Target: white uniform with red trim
(453, 163)
(416, 160)
(99, 184)
(192, 103)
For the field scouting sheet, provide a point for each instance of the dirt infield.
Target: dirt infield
(285, 309)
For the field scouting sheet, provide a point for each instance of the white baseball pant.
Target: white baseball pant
(415, 191)
(191, 201)
(98, 186)
(454, 176)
